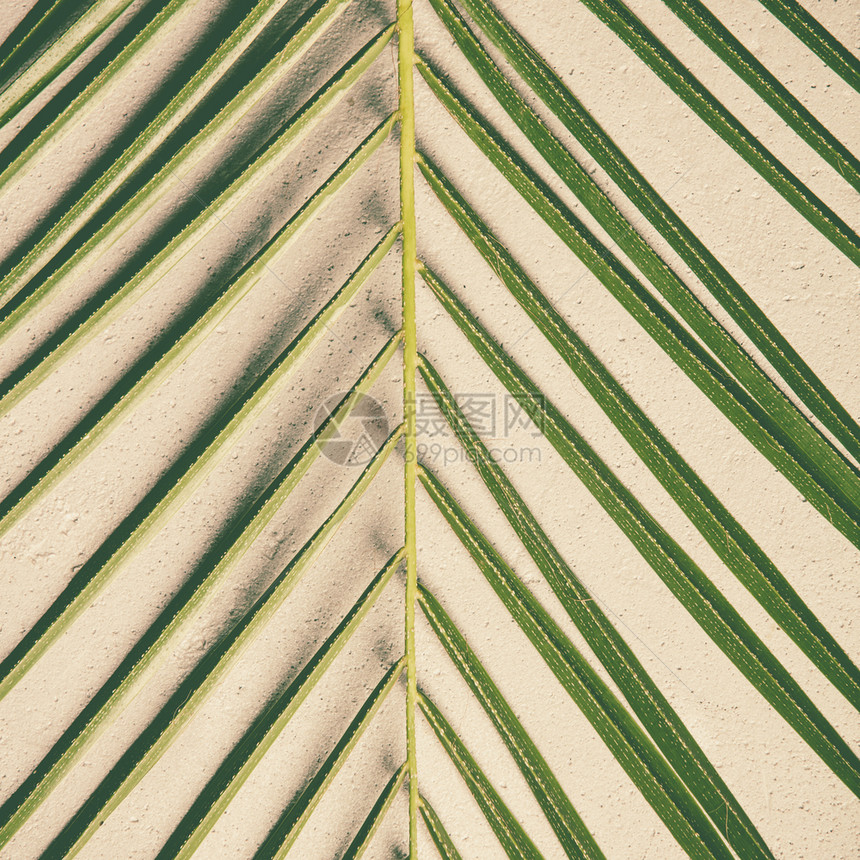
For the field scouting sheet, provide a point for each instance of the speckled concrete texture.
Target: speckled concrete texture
(805, 286)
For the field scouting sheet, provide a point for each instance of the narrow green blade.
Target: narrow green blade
(59, 56)
(35, 122)
(508, 830)
(179, 340)
(630, 29)
(125, 60)
(443, 842)
(815, 468)
(374, 819)
(133, 670)
(21, 46)
(83, 325)
(816, 38)
(660, 785)
(149, 746)
(731, 542)
(262, 733)
(572, 833)
(176, 485)
(743, 63)
(285, 832)
(151, 153)
(727, 291)
(682, 575)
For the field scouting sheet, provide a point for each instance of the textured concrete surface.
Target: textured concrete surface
(806, 286)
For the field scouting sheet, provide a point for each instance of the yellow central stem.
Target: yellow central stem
(410, 352)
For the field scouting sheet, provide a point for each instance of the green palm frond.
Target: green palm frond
(271, 585)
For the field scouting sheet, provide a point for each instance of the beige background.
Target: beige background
(805, 286)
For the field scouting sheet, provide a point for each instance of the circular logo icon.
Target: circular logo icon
(354, 440)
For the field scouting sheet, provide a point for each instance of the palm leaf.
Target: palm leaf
(195, 168)
(33, 74)
(725, 535)
(808, 30)
(718, 280)
(441, 840)
(568, 826)
(810, 469)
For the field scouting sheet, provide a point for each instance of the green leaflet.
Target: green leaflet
(666, 65)
(27, 130)
(29, 35)
(816, 37)
(164, 357)
(371, 824)
(282, 836)
(443, 842)
(726, 536)
(91, 93)
(70, 45)
(728, 292)
(662, 787)
(102, 196)
(193, 691)
(176, 486)
(681, 574)
(37, 367)
(743, 63)
(815, 468)
(262, 733)
(27, 84)
(508, 831)
(132, 671)
(571, 831)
